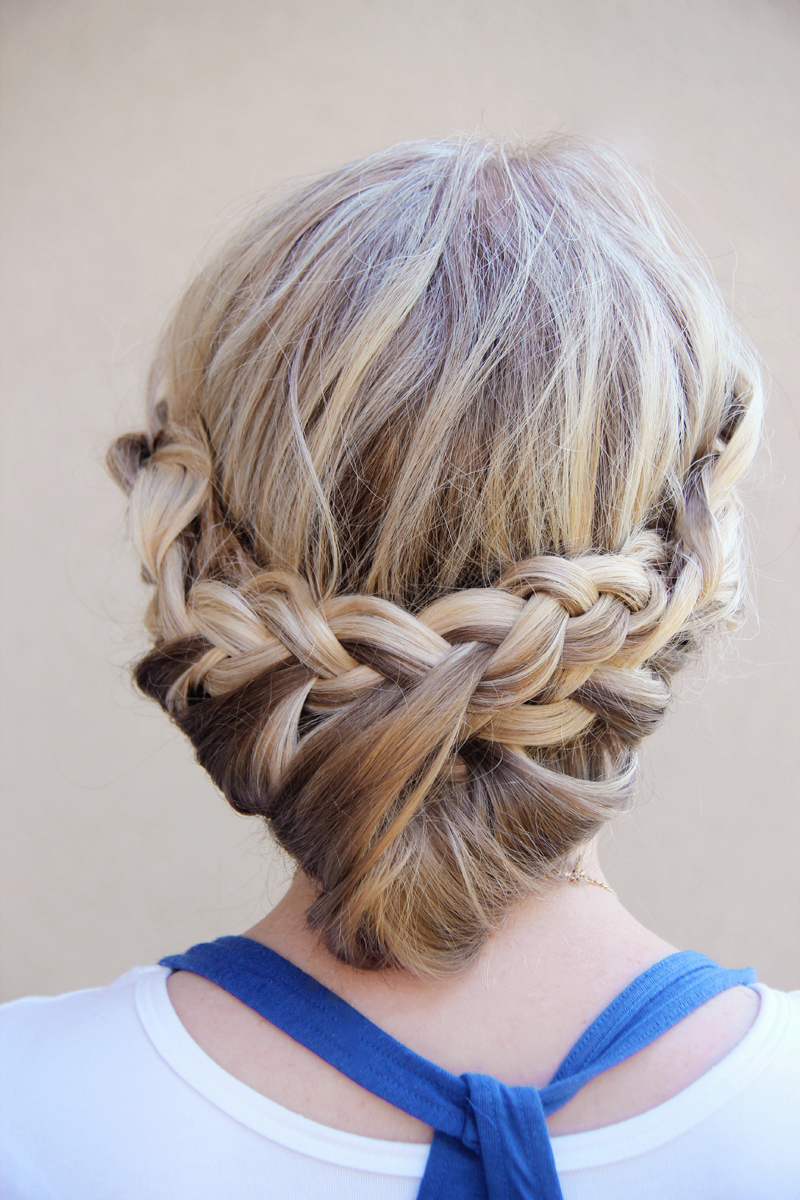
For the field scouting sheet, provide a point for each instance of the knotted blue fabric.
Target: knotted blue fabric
(491, 1141)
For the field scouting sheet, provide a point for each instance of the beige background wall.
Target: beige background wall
(133, 131)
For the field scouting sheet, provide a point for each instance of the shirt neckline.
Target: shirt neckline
(574, 1151)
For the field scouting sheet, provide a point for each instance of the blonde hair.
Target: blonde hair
(437, 496)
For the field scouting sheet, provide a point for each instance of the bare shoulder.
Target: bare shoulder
(258, 1054)
(664, 1068)
(271, 1063)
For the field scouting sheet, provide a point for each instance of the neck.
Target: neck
(571, 950)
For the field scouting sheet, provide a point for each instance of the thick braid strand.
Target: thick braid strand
(549, 636)
(572, 639)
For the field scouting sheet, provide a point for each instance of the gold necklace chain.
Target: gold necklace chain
(578, 875)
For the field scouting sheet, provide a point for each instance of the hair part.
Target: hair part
(438, 494)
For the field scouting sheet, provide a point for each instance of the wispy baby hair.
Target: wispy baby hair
(436, 497)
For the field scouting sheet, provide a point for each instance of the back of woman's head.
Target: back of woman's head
(436, 498)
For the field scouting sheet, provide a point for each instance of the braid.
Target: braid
(422, 584)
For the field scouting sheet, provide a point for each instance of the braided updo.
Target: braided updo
(436, 497)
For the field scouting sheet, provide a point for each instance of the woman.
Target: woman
(437, 497)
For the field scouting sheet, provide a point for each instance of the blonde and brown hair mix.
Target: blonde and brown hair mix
(436, 497)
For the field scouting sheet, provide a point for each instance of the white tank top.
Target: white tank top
(105, 1096)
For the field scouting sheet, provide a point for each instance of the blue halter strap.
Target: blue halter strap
(491, 1141)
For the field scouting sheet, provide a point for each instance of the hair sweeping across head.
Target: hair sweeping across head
(437, 496)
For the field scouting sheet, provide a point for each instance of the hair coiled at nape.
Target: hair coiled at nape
(438, 493)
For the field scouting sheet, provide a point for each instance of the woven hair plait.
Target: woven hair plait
(552, 625)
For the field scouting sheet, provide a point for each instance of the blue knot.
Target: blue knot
(506, 1127)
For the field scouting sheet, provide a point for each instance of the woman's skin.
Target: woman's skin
(513, 1014)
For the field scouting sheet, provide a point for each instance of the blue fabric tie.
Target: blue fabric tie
(491, 1141)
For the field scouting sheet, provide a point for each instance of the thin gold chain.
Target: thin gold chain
(580, 876)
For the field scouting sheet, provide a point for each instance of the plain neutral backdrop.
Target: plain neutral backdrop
(134, 132)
